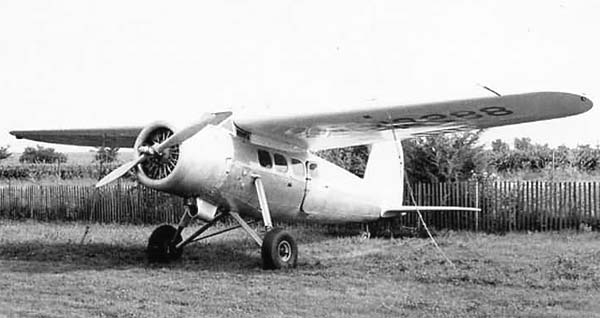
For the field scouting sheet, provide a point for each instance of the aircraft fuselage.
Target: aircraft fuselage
(220, 168)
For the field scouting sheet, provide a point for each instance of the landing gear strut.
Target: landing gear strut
(278, 249)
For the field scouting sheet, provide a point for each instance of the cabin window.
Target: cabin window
(297, 167)
(280, 163)
(312, 167)
(264, 158)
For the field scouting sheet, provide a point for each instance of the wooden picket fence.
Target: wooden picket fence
(117, 203)
(505, 206)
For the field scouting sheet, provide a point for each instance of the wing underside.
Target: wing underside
(370, 125)
(105, 137)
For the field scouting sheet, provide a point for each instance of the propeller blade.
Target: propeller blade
(184, 134)
(120, 171)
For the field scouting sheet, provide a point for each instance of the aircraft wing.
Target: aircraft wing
(106, 137)
(317, 131)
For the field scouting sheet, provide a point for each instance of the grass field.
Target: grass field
(45, 271)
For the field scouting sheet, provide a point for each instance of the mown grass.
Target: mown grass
(45, 271)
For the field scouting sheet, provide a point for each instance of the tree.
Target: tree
(106, 155)
(499, 146)
(561, 157)
(353, 159)
(441, 158)
(42, 155)
(586, 158)
(523, 144)
(4, 153)
(524, 156)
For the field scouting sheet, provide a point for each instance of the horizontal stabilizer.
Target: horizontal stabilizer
(398, 211)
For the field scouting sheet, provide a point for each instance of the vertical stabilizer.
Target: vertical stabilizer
(385, 173)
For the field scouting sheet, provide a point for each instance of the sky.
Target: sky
(78, 64)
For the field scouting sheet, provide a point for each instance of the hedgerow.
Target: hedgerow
(61, 171)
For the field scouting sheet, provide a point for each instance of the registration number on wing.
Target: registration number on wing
(437, 119)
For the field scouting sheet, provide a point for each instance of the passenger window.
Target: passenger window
(297, 167)
(280, 163)
(312, 167)
(264, 158)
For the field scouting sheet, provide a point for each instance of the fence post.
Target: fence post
(477, 206)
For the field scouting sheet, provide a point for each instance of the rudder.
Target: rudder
(385, 173)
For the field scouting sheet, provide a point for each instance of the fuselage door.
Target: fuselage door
(311, 170)
(284, 188)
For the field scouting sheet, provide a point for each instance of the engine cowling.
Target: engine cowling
(195, 168)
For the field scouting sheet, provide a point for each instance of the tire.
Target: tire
(161, 249)
(279, 250)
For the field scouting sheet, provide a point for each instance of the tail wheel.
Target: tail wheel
(279, 250)
(161, 247)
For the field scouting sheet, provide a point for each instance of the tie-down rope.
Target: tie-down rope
(412, 197)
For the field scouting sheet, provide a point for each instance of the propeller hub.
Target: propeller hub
(147, 150)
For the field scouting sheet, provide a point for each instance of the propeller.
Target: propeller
(120, 171)
(157, 149)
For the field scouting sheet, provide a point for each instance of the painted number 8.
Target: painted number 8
(496, 111)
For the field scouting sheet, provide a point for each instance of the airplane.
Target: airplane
(263, 166)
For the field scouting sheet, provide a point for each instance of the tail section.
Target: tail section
(385, 174)
(385, 177)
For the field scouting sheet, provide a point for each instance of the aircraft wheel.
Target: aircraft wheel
(279, 250)
(160, 248)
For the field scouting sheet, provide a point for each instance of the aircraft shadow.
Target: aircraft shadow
(230, 256)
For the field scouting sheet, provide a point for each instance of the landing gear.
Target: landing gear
(365, 234)
(279, 250)
(161, 246)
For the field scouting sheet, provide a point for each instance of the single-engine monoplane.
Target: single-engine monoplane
(263, 166)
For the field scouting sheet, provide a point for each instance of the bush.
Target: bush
(353, 159)
(42, 155)
(4, 153)
(443, 158)
(62, 172)
(106, 155)
(530, 157)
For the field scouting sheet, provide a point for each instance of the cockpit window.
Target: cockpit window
(264, 158)
(280, 163)
(297, 167)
